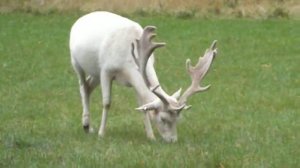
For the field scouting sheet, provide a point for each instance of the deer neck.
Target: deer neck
(144, 94)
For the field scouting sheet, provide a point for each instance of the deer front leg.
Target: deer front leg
(143, 94)
(148, 127)
(106, 82)
(147, 123)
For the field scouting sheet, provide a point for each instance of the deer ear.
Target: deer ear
(150, 106)
(176, 95)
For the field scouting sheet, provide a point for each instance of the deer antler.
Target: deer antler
(198, 72)
(144, 49)
(166, 102)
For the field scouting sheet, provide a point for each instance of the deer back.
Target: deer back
(102, 40)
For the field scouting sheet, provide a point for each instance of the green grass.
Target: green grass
(249, 118)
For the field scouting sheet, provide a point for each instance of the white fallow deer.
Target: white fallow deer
(106, 47)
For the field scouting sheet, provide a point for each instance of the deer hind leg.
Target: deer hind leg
(86, 86)
(106, 82)
(90, 84)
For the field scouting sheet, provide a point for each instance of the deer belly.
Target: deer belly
(89, 63)
(122, 80)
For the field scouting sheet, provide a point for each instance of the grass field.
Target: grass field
(249, 118)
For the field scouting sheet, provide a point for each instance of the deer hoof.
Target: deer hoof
(88, 129)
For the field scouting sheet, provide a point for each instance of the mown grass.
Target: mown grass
(249, 117)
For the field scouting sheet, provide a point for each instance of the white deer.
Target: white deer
(106, 47)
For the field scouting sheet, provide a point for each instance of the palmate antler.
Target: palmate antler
(173, 107)
(198, 72)
(145, 48)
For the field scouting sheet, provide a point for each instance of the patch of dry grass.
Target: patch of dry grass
(224, 8)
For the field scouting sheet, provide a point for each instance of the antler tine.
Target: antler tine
(198, 72)
(145, 48)
(167, 104)
(160, 96)
(213, 45)
(133, 55)
(148, 35)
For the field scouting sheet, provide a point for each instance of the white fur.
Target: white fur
(100, 45)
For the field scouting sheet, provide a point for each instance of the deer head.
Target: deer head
(166, 110)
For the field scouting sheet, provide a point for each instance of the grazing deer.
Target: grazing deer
(106, 47)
